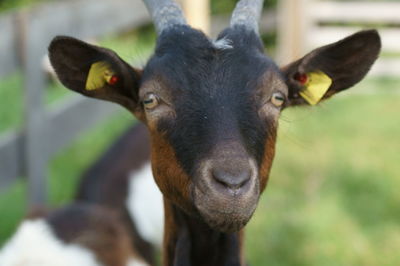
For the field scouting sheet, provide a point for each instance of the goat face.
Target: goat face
(212, 108)
(212, 121)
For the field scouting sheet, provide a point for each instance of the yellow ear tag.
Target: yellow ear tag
(317, 85)
(99, 74)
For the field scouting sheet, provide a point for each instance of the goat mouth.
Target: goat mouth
(225, 214)
(226, 223)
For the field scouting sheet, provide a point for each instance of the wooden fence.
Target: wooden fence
(312, 23)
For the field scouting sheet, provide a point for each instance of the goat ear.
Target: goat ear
(95, 72)
(332, 68)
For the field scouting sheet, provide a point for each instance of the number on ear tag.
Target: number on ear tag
(317, 85)
(100, 73)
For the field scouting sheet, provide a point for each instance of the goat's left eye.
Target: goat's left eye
(278, 99)
(150, 101)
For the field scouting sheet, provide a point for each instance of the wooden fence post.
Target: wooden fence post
(198, 14)
(35, 141)
(292, 29)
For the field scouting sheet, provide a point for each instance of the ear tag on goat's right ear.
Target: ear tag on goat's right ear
(100, 73)
(315, 87)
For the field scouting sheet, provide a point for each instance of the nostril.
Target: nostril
(231, 179)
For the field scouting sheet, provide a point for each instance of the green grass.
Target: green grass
(11, 92)
(6, 5)
(332, 197)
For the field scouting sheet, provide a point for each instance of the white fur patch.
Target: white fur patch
(223, 44)
(136, 262)
(34, 244)
(145, 205)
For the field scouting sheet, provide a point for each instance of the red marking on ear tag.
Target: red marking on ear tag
(113, 80)
(302, 78)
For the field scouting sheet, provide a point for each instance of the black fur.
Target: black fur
(214, 100)
(106, 182)
(199, 245)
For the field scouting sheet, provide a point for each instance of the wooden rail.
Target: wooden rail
(307, 24)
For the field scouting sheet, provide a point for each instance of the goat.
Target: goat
(212, 110)
(121, 180)
(78, 234)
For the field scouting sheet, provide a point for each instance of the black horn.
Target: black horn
(165, 13)
(247, 13)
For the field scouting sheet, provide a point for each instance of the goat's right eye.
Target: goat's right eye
(278, 99)
(150, 101)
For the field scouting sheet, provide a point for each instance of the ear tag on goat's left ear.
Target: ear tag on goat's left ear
(315, 87)
(100, 73)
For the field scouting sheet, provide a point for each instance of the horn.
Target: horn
(247, 13)
(165, 14)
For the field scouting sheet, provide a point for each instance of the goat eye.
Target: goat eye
(150, 101)
(277, 99)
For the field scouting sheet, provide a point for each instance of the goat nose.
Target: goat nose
(233, 180)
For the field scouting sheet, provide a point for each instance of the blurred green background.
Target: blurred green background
(333, 196)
